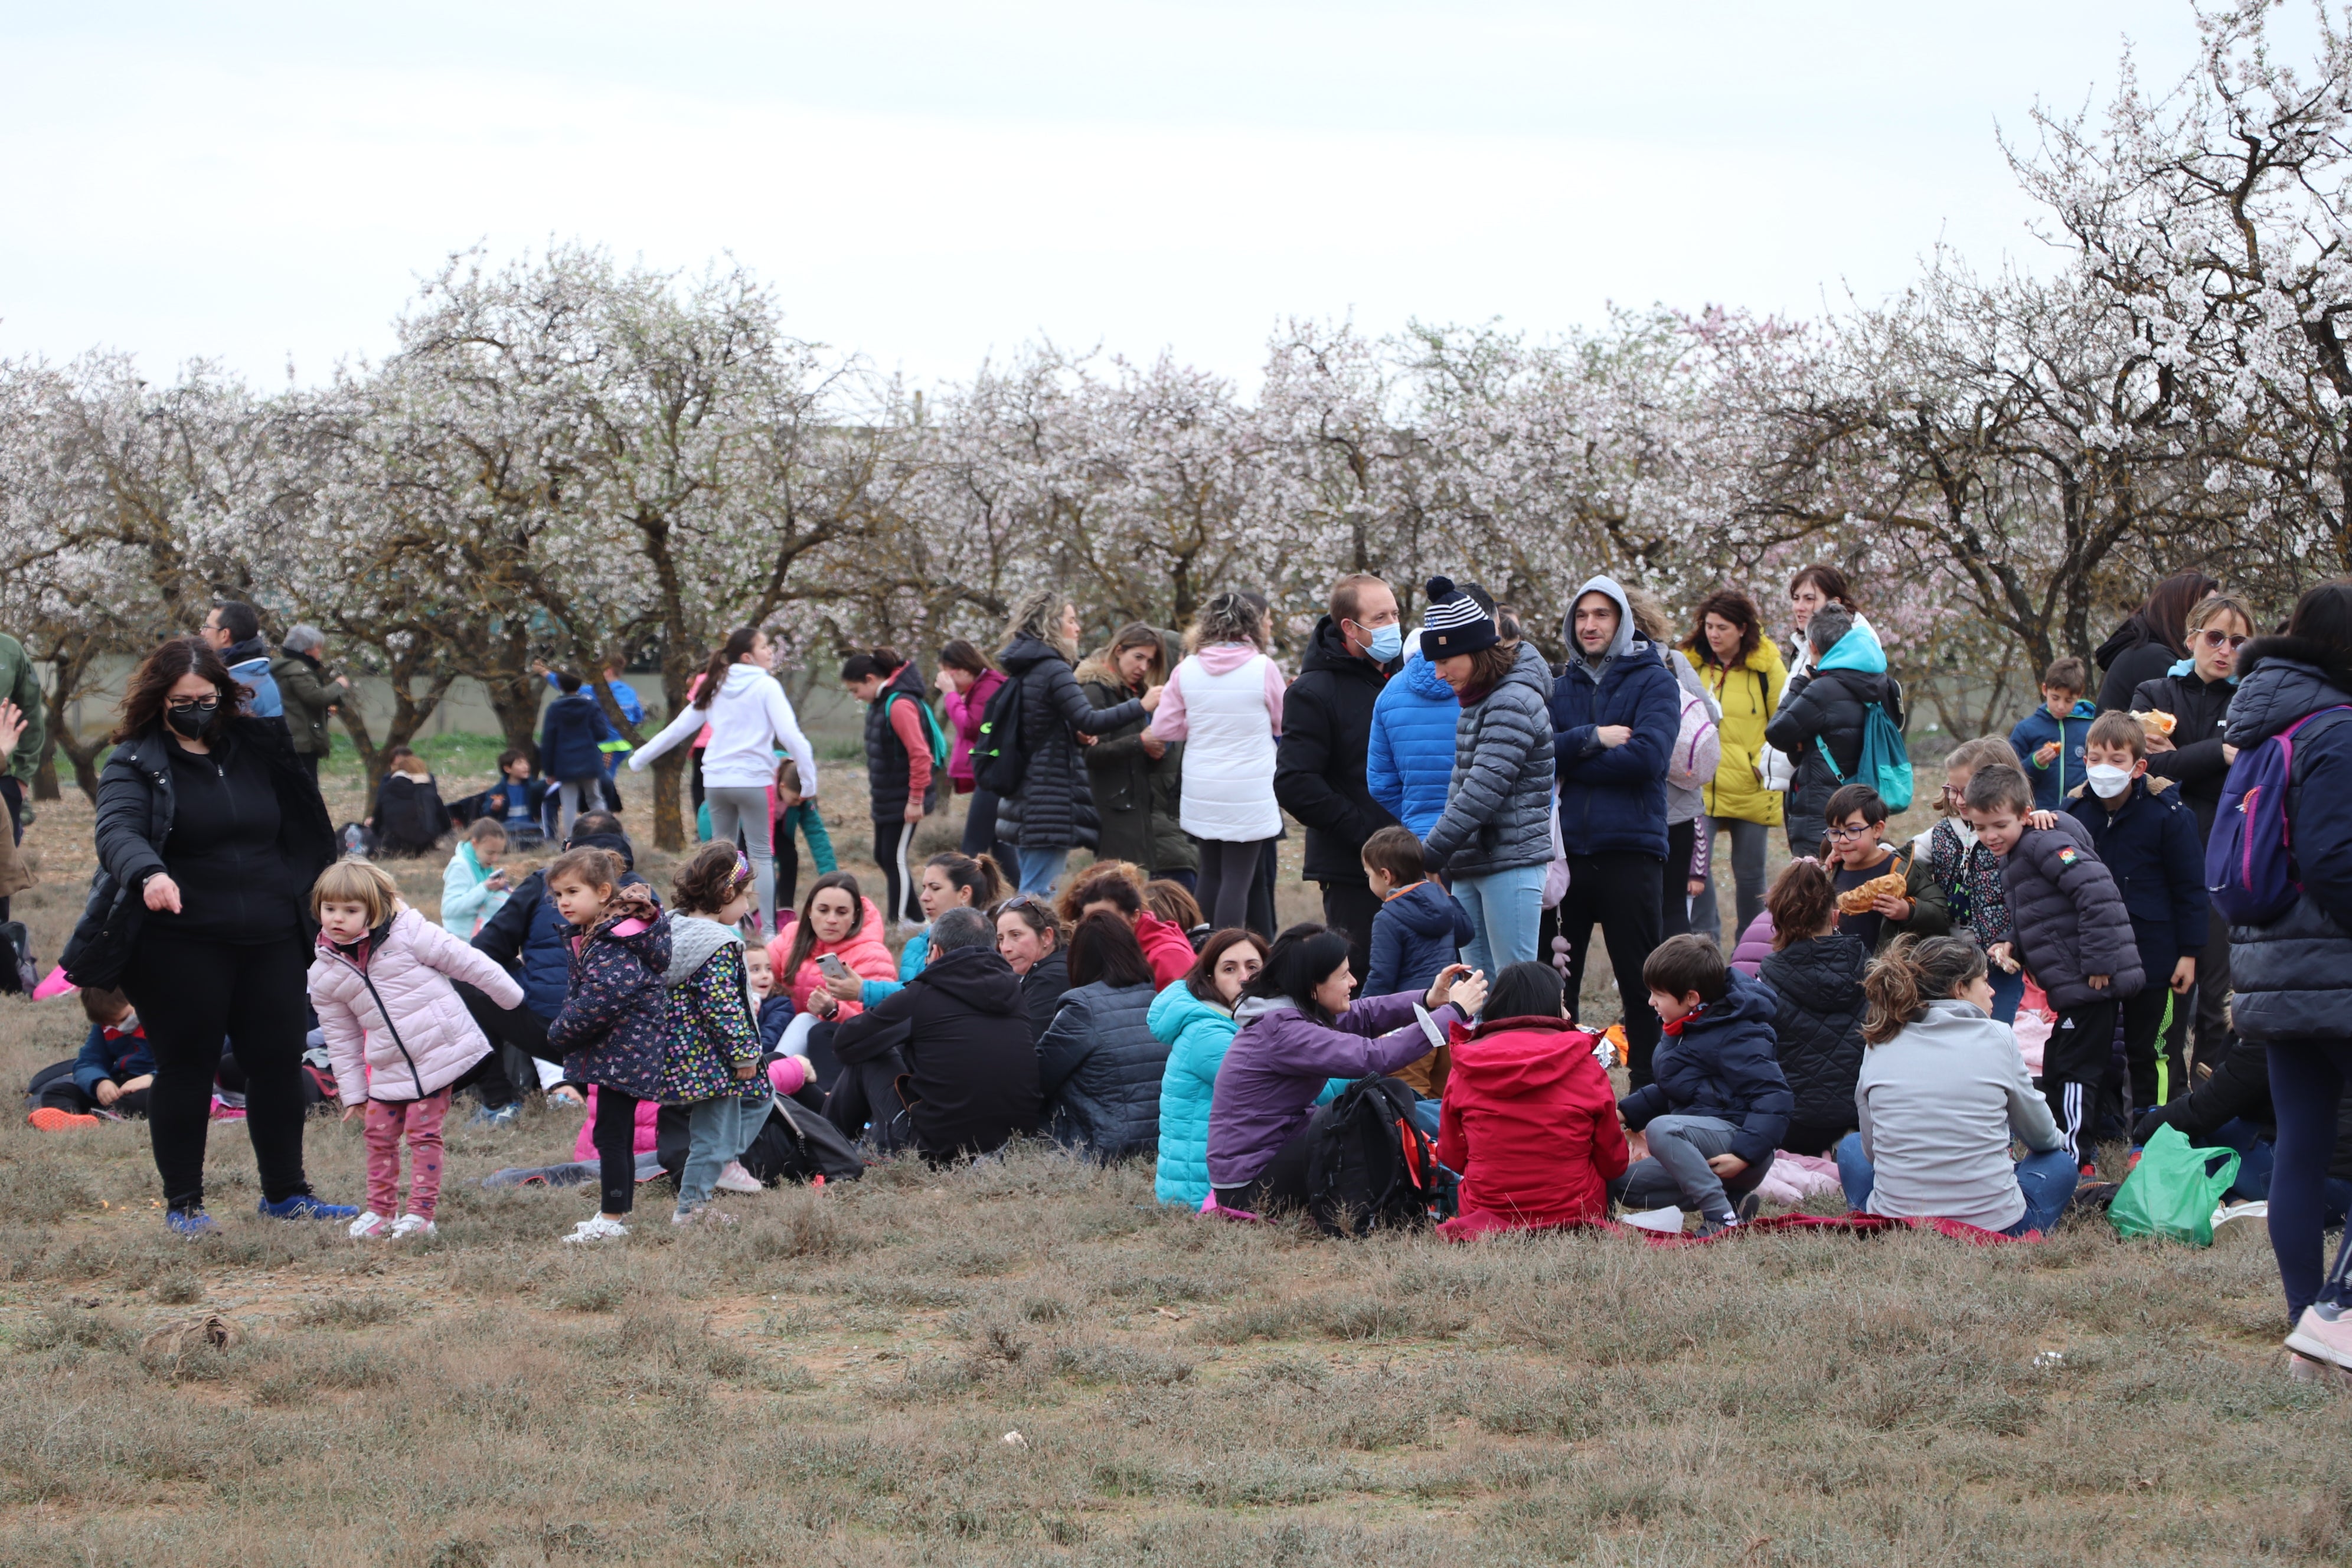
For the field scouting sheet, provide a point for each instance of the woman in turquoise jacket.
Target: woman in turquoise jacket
(1194, 1019)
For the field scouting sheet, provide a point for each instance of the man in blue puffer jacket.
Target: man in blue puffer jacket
(1410, 760)
(1614, 716)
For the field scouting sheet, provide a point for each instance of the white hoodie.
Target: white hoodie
(749, 719)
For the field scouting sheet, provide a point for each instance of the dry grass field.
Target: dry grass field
(834, 1379)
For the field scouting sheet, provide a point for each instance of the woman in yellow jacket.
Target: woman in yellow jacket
(1741, 669)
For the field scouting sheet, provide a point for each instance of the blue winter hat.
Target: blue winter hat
(1461, 620)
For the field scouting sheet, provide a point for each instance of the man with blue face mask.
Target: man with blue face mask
(1327, 731)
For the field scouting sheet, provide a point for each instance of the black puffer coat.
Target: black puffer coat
(1319, 774)
(1119, 774)
(2069, 916)
(1829, 704)
(888, 766)
(1054, 808)
(1100, 1069)
(2131, 657)
(2195, 761)
(1818, 1025)
(1042, 989)
(1498, 804)
(2293, 976)
(970, 1080)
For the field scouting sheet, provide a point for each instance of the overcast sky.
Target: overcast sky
(930, 184)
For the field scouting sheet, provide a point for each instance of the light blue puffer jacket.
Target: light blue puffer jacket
(1411, 756)
(1196, 1036)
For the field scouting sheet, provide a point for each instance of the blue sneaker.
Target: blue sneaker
(302, 1206)
(190, 1222)
(491, 1119)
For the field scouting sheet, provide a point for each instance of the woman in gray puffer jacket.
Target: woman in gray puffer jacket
(1100, 1065)
(1053, 811)
(1494, 840)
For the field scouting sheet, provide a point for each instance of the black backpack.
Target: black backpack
(1370, 1167)
(999, 760)
(793, 1144)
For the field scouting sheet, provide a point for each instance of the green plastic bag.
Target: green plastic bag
(2173, 1190)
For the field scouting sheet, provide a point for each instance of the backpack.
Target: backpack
(931, 731)
(1370, 1167)
(1885, 761)
(792, 1144)
(2249, 866)
(999, 760)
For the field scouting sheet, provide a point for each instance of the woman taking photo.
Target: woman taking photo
(1123, 765)
(1224, 702)
(209, 835)
(750, 719)
(1743, 669)
(1053, 812)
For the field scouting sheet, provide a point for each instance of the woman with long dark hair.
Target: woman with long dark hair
(900, 785)
(210, 833)
(749, 718)
(966, 681)
(2151, 639)
(1743, 668)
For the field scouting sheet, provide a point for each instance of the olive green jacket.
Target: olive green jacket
(21, 684)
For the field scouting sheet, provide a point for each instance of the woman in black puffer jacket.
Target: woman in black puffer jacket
(2294, 975)
(1100, 1066)
(210, 833)
(1815, 972)
(1053, 812)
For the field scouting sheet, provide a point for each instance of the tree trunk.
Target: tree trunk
(670, 821)
(516, 701)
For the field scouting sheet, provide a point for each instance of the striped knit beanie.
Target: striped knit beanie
(1461, 620)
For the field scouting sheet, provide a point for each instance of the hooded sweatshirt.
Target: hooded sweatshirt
(1723, 1062)
(1939, 1104)
(1826, 709)
(1614, 798)
(750, 718)
(1226, 703)
(1530, 1122)
(718, 1026)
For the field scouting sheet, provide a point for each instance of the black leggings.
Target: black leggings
(1283, 1183)
(1619, 891)
(894, 851)
(616, 1138)
(1230, 884)
(191, 994)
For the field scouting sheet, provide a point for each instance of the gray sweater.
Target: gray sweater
(1939, 1103)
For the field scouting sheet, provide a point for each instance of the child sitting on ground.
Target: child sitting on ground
(2145, 835)
(108, 1080)
(2048, 741)
(474, 886)
(1529, 1117)
(715, 1054)
(1815, 972)
(2072, 934)
(1417, 932)
(1942, 1092)
(1718, 1105)
(398, 1033)
(515, 802)
(615, 1024)
(776, 1009)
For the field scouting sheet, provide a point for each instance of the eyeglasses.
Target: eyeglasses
(1843, 834)
(193, 704)
(2212, 639)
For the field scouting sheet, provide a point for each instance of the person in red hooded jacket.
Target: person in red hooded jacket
(1529, 1119)
(1117, 886)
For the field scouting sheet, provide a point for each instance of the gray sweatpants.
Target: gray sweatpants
(1676, 1171)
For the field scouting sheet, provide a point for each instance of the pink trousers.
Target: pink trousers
(421, 1120)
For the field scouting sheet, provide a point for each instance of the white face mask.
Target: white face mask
(2108, 781)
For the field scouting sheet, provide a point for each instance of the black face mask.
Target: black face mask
(190, 721)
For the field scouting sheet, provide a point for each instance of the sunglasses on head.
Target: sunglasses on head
(2212, 639)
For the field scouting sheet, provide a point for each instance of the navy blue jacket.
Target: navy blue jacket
(1725, 1064)
(2038, 729)
(500, 802)
(120, 1061)
(2293, 978)
(1415, 934)
(1614, 798)
(775, 1013)
(532, 940)
(569, 735)
(2150, 846)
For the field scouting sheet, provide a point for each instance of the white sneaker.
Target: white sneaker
(411, 1224)
(734, 1178)
(370, 1224)
(703, 1215)
(597, 1227)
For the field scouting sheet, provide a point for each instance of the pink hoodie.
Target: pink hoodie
(1217, 658)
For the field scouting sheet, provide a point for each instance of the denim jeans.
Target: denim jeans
(1040, 869)
(1505, 908)
(2047, 1179)
(714, 1136)
(2008, 991)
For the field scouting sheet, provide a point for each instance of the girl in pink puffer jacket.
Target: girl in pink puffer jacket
(397, 1031)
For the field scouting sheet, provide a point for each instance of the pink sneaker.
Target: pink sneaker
(734, 1178)
(2328, 1339)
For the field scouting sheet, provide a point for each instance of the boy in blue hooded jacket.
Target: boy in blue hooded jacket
(1614, 715)
(2048, 741)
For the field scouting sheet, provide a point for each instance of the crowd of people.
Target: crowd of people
(1952, 1023)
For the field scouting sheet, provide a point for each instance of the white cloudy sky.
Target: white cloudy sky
(930, 183)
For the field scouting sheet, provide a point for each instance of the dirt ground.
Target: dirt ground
(1031, 1361)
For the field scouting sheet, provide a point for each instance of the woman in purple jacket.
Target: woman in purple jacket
(1298, 1030)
